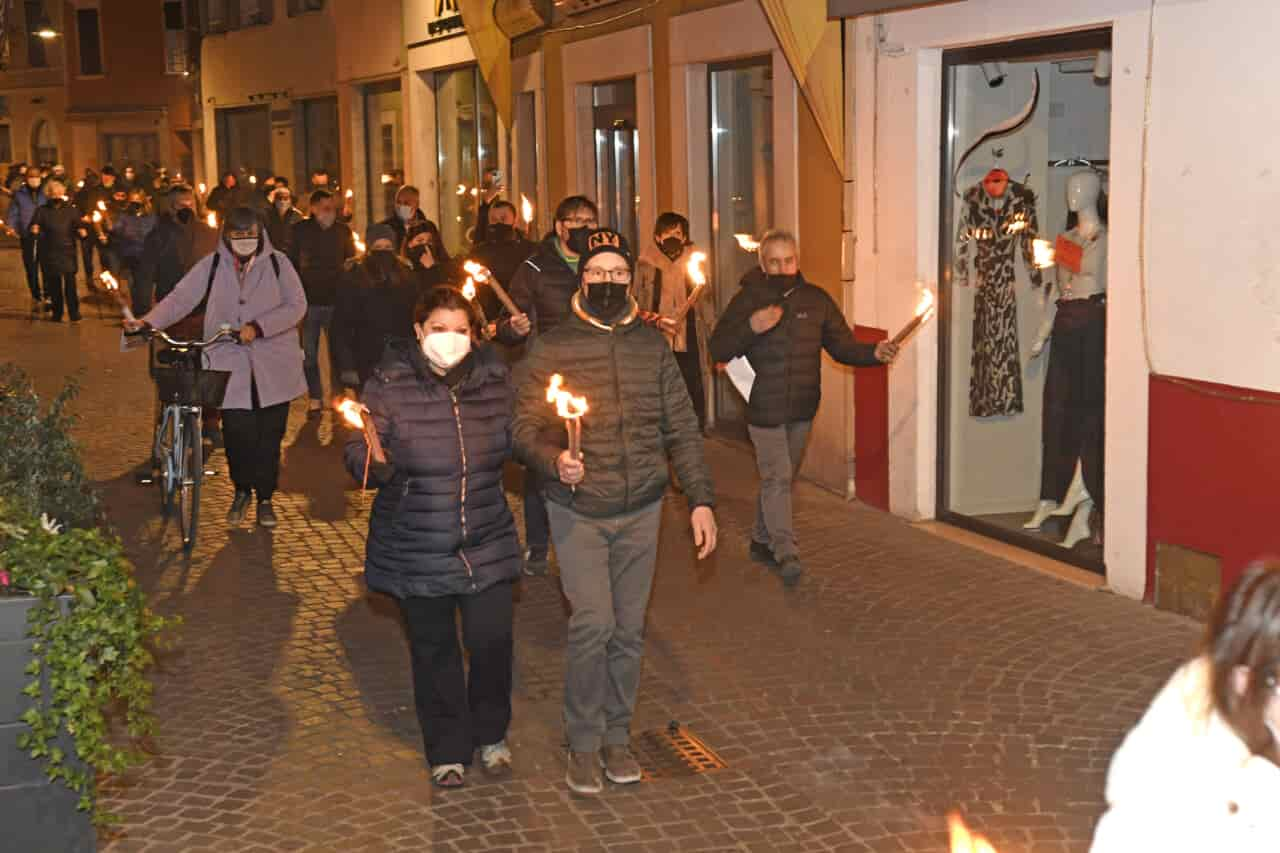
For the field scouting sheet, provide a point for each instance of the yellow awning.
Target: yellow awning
(493, 53)
(811, 44)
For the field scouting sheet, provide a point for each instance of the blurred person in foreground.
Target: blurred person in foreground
(442, 540)
(1199, 772)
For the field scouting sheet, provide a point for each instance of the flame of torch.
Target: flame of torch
(924, 310)
(526, 209)
(211, 220)
(469, 289)
(746, 242)
(386, 179)
(570, 408)
(350, 411)
(253, 179)
(350, 193)
(80, 184)
(1043, 254)
(113, 287)
(462, 189)
(97, 216)
(482, 274)
(964, 841)
(353, 413)
(102, 205)
(698, 276)
(360, 246)
(203, 188)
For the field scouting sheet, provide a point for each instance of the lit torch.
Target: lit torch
(360, 246)
(746, 242)
(526, 209)
(462, 189)
(385, 178)
(699, 278)
(481, 274)
(964, 841)
(570, 408)
(469, 292)
(97, 224)
(924, 310)
(211, 220)
(113, 287)
(354, 414)
(204, 189)
(1043, 254)
(253, 179)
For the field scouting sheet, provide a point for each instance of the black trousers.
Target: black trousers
(61, 290)
(252, 440)
(31, 265)
(86, 255)
(1075, 399)
(458, 714)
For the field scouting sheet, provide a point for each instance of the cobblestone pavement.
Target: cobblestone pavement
(905, 677)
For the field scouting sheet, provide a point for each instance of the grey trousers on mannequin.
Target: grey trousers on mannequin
(779, 451)
(606, 570)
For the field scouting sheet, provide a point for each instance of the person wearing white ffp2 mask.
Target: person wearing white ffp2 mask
(445, 338)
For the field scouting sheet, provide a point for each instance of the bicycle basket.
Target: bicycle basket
(178, 385)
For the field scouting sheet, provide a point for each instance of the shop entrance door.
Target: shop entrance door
(1022, 321)
(617, 146)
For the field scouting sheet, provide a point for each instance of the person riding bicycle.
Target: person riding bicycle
(251, 287)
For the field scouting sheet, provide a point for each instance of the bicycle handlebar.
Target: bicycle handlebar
(225, 332)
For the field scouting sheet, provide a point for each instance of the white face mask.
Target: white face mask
(243, 247)
(404, 211)
(445, 349)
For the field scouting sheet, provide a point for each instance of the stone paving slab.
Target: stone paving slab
(905, 677)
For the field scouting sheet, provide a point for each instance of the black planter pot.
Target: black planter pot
(36, 815)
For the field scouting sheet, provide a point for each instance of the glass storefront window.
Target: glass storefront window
(384, 147)
(1023, 267)
(617, 147)
(741, 145)
(467, 150)
(526, 153)
(319, 142)
(244, 141)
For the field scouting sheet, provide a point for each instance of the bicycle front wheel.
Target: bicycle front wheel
(192, 465)
(168, 443)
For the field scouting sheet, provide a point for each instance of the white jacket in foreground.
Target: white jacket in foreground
(1183, 781)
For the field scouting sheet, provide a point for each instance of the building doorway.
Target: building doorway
(1025, 172)
(384, 148)
(616, 139)
(133, 149)
(44, 142)
(244, 141)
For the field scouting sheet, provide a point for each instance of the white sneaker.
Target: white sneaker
(496, 758)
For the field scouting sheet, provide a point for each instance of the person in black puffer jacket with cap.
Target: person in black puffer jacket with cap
(605, 506)
(441, 537)
(781, 324)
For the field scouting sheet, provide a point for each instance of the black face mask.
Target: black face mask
(672, 247)
(185, 214)
(606, 300)
(416, 252)
(780, 282)
(501, 231)
(577, 241)
(381, 265)
(134, 208)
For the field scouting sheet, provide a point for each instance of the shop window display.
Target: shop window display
(1024, 247)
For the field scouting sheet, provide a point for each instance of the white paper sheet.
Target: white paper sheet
(742, 375)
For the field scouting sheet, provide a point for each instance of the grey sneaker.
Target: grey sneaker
(266, 514)
(790, 569)
(763, 554)
(620, 766)
(583, 776)
(239, 507)
(495, 758)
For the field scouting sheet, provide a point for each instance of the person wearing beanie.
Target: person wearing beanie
(374, 307)
(604, 506)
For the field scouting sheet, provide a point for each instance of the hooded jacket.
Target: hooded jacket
(639, 415)
(22, 208)
(787, 359)
(440, 524)
(1184, 782)
(275, 302)
(542, 287)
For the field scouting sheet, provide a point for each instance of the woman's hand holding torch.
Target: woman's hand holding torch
(355, 414)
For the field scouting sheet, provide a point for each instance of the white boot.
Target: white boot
(1079, 530)
(1076, 493)
(1043, 510)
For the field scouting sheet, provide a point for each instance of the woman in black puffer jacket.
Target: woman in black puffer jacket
(441, 537)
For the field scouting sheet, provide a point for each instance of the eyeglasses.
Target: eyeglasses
(595, 275)
(579, 221)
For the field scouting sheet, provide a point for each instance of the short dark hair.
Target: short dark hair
(176, 190)
(242, 219)
(320, 195)
(573, 204)
(1245, 632)
(408, 188)
(667, 221)
(420, 226)
(450, 298)
(503, 204)
(320, 170)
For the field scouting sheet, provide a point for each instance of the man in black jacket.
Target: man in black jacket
(319, 249)
(502, 249)
(541, 288)
(606, 504)
(781, 324)
(179, 239)
(406, 213)
(58, 224)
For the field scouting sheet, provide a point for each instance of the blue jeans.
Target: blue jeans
(318, 318)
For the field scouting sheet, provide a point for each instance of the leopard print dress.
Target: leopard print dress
(987, 240)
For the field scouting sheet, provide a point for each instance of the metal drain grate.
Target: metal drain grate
(673, 752)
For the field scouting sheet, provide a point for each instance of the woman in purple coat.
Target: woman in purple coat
(249, 286)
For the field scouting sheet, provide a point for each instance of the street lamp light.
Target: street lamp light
(47, 33)
(42, 28)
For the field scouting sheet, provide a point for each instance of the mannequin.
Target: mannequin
(1075, 393)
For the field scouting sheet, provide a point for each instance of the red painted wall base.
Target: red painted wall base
(871, 427)
(1213, 481)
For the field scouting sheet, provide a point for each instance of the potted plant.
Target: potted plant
(75, 634)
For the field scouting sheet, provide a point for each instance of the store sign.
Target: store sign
(854, 8)
(431, 20)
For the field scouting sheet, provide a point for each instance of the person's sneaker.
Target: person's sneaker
(620, 766)
(790, 570)
(583, 776)
(536, 565)
(496, 758)
(763, 554)
(266, 514)
(239, 507)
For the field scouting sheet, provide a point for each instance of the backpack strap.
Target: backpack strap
(208, 287)
(275, 264)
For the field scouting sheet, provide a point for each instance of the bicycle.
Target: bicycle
(185, 386)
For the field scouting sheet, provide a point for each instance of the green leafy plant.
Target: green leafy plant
(40, 468)
(93, 636)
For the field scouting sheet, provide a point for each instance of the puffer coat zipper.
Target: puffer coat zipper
(462, 497)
